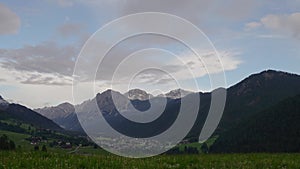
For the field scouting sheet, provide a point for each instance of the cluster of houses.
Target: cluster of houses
(39, 140)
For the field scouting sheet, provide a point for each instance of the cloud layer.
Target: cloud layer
(288, 24)
(40, 59)
(47, 57)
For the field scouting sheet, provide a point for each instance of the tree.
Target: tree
(204, 148)
(36, 148)
(174, 150)
(6, 144)
(95, 146)
(44, 148)
(191, 150)
(12, 145)
(3, 142)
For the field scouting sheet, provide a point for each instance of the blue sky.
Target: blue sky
(41, 39)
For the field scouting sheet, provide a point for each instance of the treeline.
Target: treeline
(276, 129)
(12, 128)
(6, 143)
(189, 150)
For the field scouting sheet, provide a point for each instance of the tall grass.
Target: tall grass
(15, 159)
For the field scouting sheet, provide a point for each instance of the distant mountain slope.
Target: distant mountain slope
(63, 115)
(3, 103)
(16, 119)
(256, 93)
(276, 129)
(253, 94)
(60, 111)
(23, 114)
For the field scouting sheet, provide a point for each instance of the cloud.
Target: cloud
(288, 24)
(37, 93)
(39, 70)
(70, 29)
(270, 36)
(47, 57)
(44, 79)
(49, 63)
(155, 68)
(153, 73)
(10, 21)
(151, 60)
(252, 25)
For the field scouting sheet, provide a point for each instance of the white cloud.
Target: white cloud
(270, 36)
(47, 57)
(36, 78)
(10, 21)
(52, 65)
(33, 95)
(155, 68)
(252, 25)
(288, 24)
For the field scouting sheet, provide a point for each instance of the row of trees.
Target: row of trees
(189, 150)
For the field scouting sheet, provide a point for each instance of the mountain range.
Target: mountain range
(269, 95)
(65, 115)
(253, 94)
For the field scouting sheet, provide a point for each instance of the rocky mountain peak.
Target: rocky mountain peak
(3, 103)
(177, 93)
(138, 94)
(68, 107)
(62, 110)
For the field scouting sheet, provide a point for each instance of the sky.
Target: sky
(41, 40)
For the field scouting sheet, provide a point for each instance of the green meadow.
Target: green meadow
(88, 157)
(32, 159)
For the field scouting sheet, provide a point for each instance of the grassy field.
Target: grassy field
(51, 160)
(89, 157)
(18, 138)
